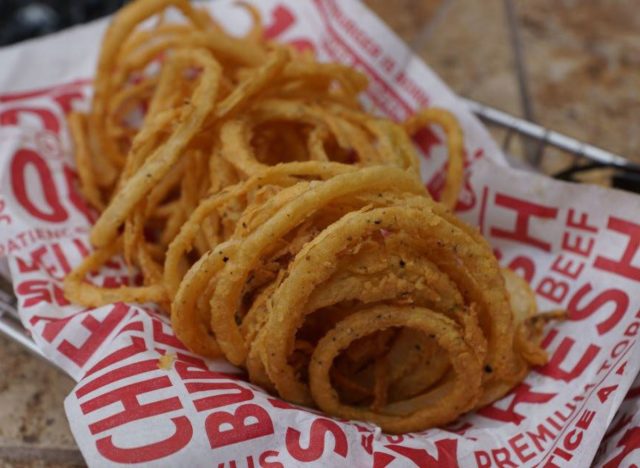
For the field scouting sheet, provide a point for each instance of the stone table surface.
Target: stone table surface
(579, 61)
(33, 427)
(579, 74)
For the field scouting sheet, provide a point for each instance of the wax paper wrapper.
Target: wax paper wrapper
(142, 398)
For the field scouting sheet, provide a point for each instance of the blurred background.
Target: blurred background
(23, 19)
(569, 65)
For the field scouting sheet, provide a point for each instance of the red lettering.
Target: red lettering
(522, 394)
(426, 139)
(74, 85)
(319, 428)
(382, 460)
(281, 20)
(629, 442)
(632, 329)
(618, 298)
(62, 260)
(264, 463)
(554, 290)
(12, 246)
(132, 409)
(98, 333)
(135, 326)
(542, 434)
(553, 367)
(159, 336)
(561, 453)
(367, 443)
(619, 348)
(58, 295)
(582, 224)
(570, 406)
(566, 268)
(82, 249)
(605, 365)
(520, 448)
(136, 368)
(35, 258)
(525, 211)
(65, 100)
(195, 371)
(395, 438)
(54, 211)
(248, 422)
(199, 362)
(47, 118)
(154, 451)
(216, 401)
(115, 282)
(302, 44)
(52, 327)
(38, 261)
(360, 428)
(577, 247)
(623, 267)
(502, 457)
(447, 454)
(483, 460)
(604, 392)
(35, 291)
(137, 346)
(572, 440)
(557, 426)
(585, 419)
(4, 218)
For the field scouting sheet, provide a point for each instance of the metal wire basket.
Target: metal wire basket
(10, 325)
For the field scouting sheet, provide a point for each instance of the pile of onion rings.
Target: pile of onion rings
(285, 227)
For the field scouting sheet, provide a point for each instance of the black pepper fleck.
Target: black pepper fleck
(488, 369)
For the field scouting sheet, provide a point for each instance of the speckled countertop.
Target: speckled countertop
(581, 61)
(33, 427)
(582, 68)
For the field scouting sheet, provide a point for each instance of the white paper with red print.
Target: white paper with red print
(579, 246)
(623, 435)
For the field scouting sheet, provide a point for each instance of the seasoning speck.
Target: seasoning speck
(166, 361)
